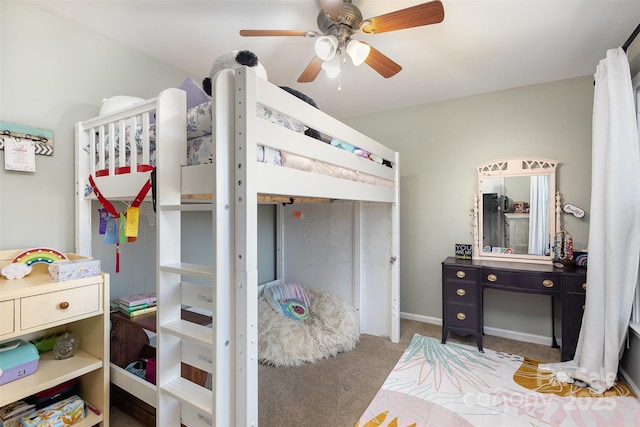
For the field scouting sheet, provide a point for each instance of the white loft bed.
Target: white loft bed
(365, 273)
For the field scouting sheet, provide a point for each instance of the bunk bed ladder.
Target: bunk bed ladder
(183, 284)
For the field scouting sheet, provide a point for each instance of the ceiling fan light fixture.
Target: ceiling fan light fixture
(332, 67)
(326, 47)
(358, 51)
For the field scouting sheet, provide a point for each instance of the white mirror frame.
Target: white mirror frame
(517, 166)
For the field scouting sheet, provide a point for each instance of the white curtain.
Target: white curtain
(614, 228)
(539, 214)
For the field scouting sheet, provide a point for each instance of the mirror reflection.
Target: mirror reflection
(516, 211)
(515, 214)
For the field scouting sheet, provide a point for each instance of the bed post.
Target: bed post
(395, 256)
(246, 251)
(224, 385)
(171, 111)
(358, 275)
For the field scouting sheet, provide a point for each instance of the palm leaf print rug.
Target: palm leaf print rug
(455, 385)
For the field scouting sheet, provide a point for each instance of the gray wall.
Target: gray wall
(441, 143)
(54, 73)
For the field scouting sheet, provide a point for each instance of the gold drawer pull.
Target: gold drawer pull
(547, 283)
(460, 274)
(461, 316)
(582, 307)
(492, 277)
(64, 305)
(584, 286)
(460, 292)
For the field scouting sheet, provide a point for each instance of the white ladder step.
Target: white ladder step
(197, 334)
(195, 270)
(191, 394)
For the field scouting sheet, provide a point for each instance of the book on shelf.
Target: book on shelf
(137, 299)
(139, 312)
(130, 308)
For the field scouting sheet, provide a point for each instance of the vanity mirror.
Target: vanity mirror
(516, 210)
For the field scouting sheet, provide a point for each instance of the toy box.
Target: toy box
(74, 269)
(60, 414)
(10, 414)
(54, 394)
(17, 359)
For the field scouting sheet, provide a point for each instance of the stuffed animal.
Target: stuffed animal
(349, 147)
(309, 132)
(235, 59)
(232, 60)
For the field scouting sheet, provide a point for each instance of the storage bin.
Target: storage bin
(10, 414)
(60, 414)
(17, 359)
(72, 270)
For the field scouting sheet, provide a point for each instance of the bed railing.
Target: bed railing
(116, 149)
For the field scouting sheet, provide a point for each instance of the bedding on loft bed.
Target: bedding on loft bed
(200, 146)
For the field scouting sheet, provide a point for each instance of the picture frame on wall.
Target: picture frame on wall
(518, 207)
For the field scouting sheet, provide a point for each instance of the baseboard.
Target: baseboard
(630, 382)
(503, 333)
(420, 318)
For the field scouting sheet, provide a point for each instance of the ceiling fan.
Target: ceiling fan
(338, 20)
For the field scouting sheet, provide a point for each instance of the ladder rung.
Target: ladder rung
(198, 334)
(189, 207)
(196, 270)
(191, 394)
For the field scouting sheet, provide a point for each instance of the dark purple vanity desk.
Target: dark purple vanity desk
(463, 283)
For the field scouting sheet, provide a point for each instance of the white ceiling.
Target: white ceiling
(481, 46)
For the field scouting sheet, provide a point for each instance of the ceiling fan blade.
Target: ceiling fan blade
(311, 72)
(384, 65)
(333, 8)
(415, 16)
(261, 33)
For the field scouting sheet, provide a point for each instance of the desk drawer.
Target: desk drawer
(58, 307)
(462, 292)
(460, 273)
(461, 316)
(6, 318)
(575, 284)
(548, 283)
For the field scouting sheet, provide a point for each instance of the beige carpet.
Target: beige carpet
(336, 391)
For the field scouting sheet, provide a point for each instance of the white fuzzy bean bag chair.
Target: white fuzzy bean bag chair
(331, 327)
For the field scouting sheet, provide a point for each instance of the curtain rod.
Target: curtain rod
(631, 38)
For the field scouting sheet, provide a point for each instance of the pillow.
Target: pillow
(277, 117)
(118, 102)
(195, 94)
(289, 299)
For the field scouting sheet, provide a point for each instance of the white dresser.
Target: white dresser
(33, 307)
